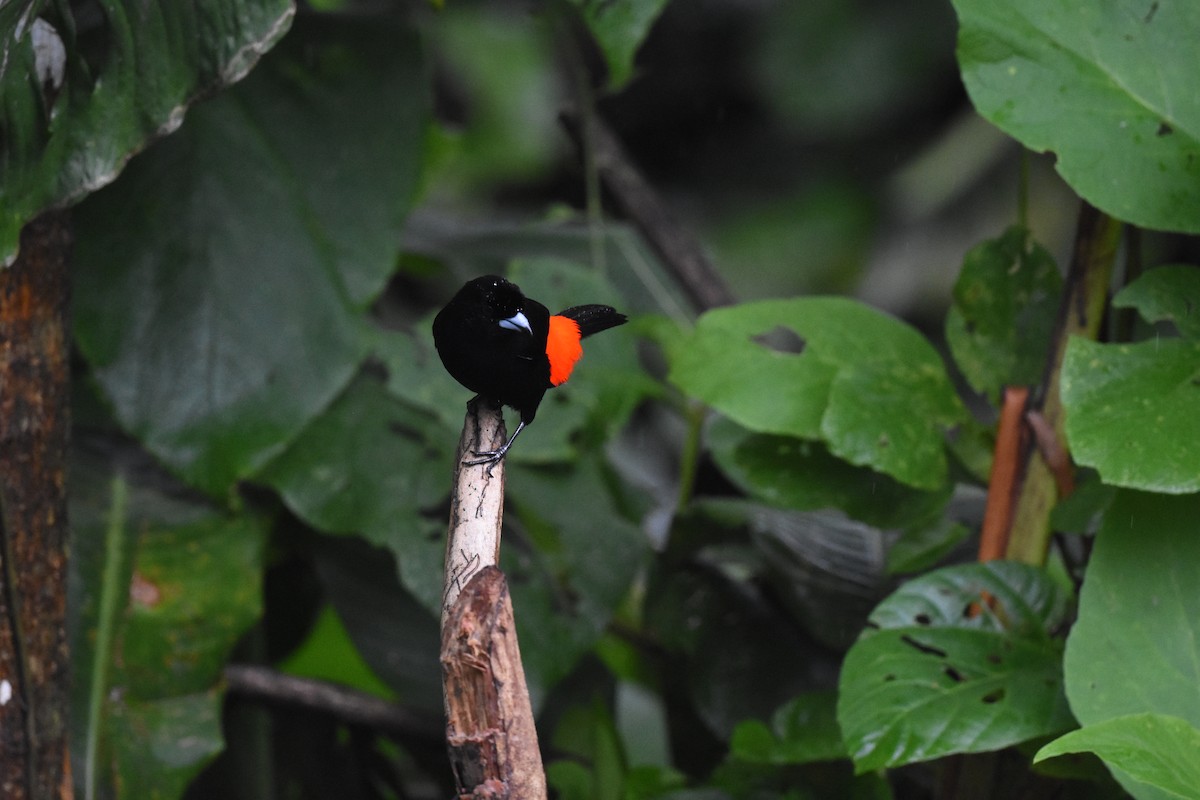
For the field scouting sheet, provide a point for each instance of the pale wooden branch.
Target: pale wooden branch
(489, 718)
(477, 503)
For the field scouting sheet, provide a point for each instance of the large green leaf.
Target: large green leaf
(221, 281)
(962, 660)
(868, 385)
(1156, 749)
(161, 589)
(71, 119)
(584, 555)
(1108, 87)
(365, 466)
(1133, 410)
(1136, 645)
(1003, 315)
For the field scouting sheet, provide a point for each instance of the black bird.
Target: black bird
(509, 349)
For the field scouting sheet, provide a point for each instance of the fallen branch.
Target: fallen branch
(347, 705)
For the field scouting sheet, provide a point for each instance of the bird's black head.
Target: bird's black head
(500, 298)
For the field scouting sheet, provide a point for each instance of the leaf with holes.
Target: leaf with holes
(962, 660)
(869, 386)
(1109, 88)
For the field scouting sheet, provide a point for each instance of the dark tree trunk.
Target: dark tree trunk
(34, 420)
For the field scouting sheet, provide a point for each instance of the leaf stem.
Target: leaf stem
(1080, 313)
(689, 457)
(114, 587)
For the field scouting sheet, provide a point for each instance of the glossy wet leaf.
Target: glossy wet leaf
(1135, 646)
(1156, 749)
(1005, 303)
(961, 660)
(1109, 88)
(233, 316)
(869, 386)
(61, 143)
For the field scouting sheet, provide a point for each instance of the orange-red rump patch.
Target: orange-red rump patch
(562, 348)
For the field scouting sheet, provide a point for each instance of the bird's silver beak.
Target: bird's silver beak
(517, 322)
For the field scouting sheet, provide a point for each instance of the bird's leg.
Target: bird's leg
(492, 456)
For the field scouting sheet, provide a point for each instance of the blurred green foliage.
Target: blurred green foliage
(734, 539)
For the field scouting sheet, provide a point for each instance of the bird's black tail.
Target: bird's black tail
(594, 318)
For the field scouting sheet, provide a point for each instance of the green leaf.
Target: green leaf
(1170, 293)
(233, 315)
(1136, 645)
(195, 589)
(803, 730)
(793, 473)
(922, 546)
(161, 588)
(1109, 88)
(1005, 303)
(60, 144)
(868, 385)
(366, 466)
(160, 746)
(962, 660)
(585, 555)
(619, 27)
(1133, 412)
(1156, 749)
